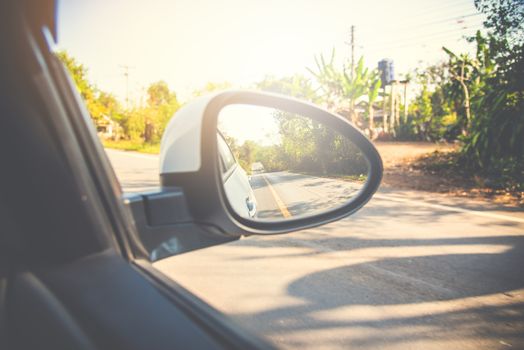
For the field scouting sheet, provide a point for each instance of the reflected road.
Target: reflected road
(285, 194)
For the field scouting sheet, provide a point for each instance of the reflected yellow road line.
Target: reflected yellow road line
(278, 200)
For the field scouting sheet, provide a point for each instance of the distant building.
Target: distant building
(107, 128)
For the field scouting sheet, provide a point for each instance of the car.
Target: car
(257, 168)
(76, 253)
(236, 182)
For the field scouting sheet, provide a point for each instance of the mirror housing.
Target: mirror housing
(189, 160)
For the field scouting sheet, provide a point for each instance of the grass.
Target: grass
(127, 145)
(357, 178)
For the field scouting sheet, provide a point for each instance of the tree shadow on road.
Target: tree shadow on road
(407, 283)
(442, 198)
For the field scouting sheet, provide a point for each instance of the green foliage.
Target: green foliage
(212, 87)
(133, 123)
(146, 124)
(129, 145)
(433, 114)
(139, 125)
(329, 79)
(374, 83)
(504, 18)
(480, 99)
(306, 146)
(354, 86)
(98, 103)
(78, 72)
(162, 104)
(477, 99)
(343, 87)
(495, 141)
(296, 85)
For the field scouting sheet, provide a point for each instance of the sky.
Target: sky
(249, 122)
(188, 43)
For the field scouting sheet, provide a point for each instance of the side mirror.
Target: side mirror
(257, 163)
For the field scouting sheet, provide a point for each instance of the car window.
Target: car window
(432, 261)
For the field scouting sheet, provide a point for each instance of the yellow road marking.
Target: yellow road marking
(278, 200)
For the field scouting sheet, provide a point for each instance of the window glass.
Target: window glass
(436, 83)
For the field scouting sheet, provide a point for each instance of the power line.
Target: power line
(413, 44)
(446, 38)
(431, 9)
(428, 15)
(414, 41)
(467, 20)
(438, 11)
(452, 19)
(421, 37)
(433, 17)
(399, 38)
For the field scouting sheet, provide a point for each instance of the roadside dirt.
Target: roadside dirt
(401, 171)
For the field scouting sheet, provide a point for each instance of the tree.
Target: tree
(354, 86)
(109, 103)
(246, 154)
(504, 18)
(88, 92)
(212, 87)
(461, 69)
(158, 94)
(496, 138)
(433, 114)
(329, 79)
(424, 112)
(162, 104)
(144, 123)
(147, 123)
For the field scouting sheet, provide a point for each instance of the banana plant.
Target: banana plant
(341, 86)
(374, 85)
(354, 86)
(329, 78)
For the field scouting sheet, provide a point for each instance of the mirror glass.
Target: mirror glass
(278, 165)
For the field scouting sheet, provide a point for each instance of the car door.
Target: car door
(236, 182)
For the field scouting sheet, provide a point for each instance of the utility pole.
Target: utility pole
(126, 75)
(351, 44)
(352, 52)
(397, 110)
(384, 112)
(405, 83)
(352, 111)
(392, 105)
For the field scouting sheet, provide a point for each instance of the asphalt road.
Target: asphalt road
(411, 270)
(282, 194)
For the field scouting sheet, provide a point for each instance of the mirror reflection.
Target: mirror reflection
(278, 165)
